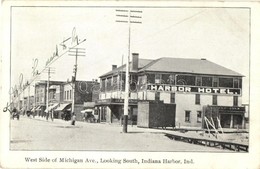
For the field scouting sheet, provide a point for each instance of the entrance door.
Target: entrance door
(225, 120)
(237, 120)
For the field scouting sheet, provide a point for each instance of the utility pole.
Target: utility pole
(75, 52)
(50, 71)
(128, 16)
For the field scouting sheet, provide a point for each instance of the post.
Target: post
(129, 21)
(47, 95)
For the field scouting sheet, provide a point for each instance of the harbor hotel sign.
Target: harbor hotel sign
(193, 89)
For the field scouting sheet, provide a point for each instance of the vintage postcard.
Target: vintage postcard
(125, 84)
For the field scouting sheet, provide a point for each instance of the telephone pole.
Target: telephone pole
(50, 70)
(129, 17)
(75, 52)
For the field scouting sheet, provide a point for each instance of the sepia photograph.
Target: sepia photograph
(128, 79)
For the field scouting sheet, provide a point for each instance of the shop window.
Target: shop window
(186, 80)
(198, 81)
(199, 118)
(207, 81)
(157, 96)
(172, 97)
(214, 100)
(157, 78)
(235, 101)
(226, 82)
(215, 82)
(197, 98)
(187, 116)
(151, 78)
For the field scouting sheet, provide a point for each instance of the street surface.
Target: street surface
(39, 134)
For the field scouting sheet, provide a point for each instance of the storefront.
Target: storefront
(225, 116)
(112, 110)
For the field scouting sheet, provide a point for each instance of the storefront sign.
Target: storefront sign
(193, 89)
(109, 101)
(229, 108)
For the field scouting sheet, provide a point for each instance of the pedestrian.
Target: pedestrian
(73, 119)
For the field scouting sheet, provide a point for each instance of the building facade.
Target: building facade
(201, 90)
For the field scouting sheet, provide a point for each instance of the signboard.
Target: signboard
(194, 89)
(109, 101)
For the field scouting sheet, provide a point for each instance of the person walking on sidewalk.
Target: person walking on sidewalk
(73, 119)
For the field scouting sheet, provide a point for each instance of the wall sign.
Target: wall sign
(193, 89)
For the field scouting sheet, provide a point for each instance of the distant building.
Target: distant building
(200, 89)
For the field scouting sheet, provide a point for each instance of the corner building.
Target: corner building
(200, 90)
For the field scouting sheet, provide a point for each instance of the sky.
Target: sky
(220, 35)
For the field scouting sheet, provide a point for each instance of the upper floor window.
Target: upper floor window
(215, 82)
(186, 80)
(151, 78)
(157, 78)
(207, 81)
(197, 98)
(198, 81)
(226, 82)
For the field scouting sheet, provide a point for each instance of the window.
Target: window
(215, 82)
(103, 85)
(226, 82)
(237, 83)
(109, 84)
(172, 97)
(186, 80)
(197, 99)
(157, 96)
(214, 100)
(199, 116)
(207, 81)
(64, 95)
(157, 78)
(150, 78)
(165, 79)
(235, 101)
(198, 81)
(172, 79)
(70, 94)
(187, 116)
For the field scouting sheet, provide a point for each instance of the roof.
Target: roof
(141, 64)
(182, 65)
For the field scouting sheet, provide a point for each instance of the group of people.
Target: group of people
(16, 114)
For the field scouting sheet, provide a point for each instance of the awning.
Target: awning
(89, 104)
(86, 110)
(38, 108)
(52, 107)
(63, 106)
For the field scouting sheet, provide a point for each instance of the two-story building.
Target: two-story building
(199, 88)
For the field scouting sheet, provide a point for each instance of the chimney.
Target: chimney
(114, 67)
(135, 60)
